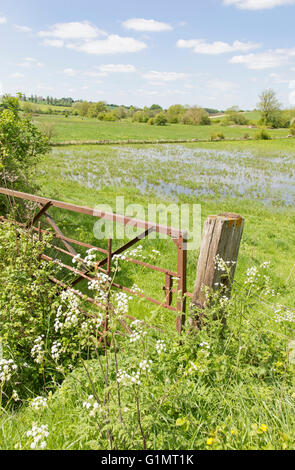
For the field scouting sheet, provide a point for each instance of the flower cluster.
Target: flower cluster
(37, 350)
(91, 405)
(39, 403)
(145, 365)
(135, 253)
(128, 379)
(121, 303)
(222, 265)
(283, 314)
(39, 434)
(93, 323)
(252, 274)
(7, 368)
(137, 331)
(160, 346)
(68, 311)
(90, 259)
(136, 289)
(55, 350)
(205, 347)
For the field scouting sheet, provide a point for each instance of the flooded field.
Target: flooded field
(179, 170)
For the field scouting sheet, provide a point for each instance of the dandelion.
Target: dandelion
(263, 428)
(210, 441)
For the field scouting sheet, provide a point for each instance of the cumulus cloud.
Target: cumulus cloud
(258, 4)
(266, 60)
(200, 46)
(113, 44)
(117, 68)
(3, 19)
(22, 29)
(221, 85)
(70, 72)
(53, 42)
(73, 30)
(141, 24)
(30, 62)
(160, 77)
(85, 37)
(17, 75)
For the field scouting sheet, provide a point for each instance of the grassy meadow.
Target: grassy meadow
(77, 128)
(243, 395)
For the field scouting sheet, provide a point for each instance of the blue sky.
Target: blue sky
(213, 53)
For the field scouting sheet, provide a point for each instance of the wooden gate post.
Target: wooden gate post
(220, 239)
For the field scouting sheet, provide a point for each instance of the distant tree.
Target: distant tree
(160, 119)
(82, 108)
(269, 106)
(155, 109)
(195, 116)
(175, 113)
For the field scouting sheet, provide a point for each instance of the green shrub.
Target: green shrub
(262, 135)
(161, 119)
(22, 143)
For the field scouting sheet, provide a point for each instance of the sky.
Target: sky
(213, 53)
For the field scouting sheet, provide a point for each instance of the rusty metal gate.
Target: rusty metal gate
(178, 236)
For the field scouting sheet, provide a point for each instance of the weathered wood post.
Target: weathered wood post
(221, 238)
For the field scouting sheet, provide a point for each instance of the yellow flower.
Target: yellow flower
(263, 428)
(233, 432)
(209, 441)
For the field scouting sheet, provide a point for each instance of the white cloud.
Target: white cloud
(266, 60)
(160, 77)
(292, 84)
(113, 44)
(85, 37)
(22, 29)
(17, 75)
(95, 74)
(3, 20)
(53, 42)
(30, 62)
(200, 46)
(221, 85)
(117, 68)
(277, 78)
(70, 72)
(140, 24)
(74, 30)
(258, 4)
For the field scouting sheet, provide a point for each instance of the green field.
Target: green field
(77, 128)
(254, 179)
(244, 397)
